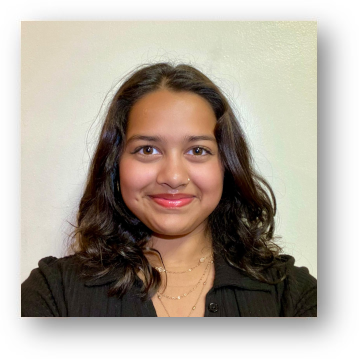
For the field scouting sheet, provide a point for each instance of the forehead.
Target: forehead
(171, 114)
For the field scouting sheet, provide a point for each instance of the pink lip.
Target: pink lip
(172, 200)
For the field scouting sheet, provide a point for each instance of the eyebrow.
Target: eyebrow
(159, 139)
(200, 138)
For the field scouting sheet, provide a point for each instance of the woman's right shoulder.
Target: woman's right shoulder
(54, 269)
(51, 265)
(42, 293)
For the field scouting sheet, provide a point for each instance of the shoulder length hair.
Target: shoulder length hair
(109, 237)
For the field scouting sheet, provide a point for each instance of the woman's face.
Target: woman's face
(171, 176)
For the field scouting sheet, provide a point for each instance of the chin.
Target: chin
(173, 228)
(173, 232)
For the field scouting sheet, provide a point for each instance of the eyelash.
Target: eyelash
(138, 149)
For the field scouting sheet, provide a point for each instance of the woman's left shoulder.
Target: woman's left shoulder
(300, 274)
(298, 290)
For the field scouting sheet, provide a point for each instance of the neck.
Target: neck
(182, 250)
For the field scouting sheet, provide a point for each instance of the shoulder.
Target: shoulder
(299, 276)
(42, 293)
(56, 267)
(285, 289)
(298, 291)
(59, 269)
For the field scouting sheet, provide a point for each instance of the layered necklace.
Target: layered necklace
(203, 279)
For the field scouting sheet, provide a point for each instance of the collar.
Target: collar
(106, 279)
(225, 275)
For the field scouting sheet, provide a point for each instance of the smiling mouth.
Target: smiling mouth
(172, 201)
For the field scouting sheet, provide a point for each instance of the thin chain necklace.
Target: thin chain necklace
(200, 261)
(199, 296)
(191, 290)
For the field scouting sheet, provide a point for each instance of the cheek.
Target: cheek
(209, 179)
(134, 177)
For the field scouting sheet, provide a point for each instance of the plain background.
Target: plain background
(70, 70)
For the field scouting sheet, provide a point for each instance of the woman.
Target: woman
(174, 221)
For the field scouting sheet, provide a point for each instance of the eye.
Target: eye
(199, 151)
(147, 150)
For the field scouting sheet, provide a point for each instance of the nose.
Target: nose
(173, 172)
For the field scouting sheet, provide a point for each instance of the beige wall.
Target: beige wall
(268, 69)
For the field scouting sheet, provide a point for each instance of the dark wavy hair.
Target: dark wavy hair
(108, 237)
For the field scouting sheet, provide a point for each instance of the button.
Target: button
(213, 307)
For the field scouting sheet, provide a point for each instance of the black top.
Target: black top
(55, 289)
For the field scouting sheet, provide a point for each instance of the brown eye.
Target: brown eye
(198, 151)
(148, 150)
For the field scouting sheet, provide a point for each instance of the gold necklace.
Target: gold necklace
(191, 290)
(199, 296)
(200, 261)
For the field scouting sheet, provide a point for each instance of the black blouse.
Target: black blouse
(56, 289)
